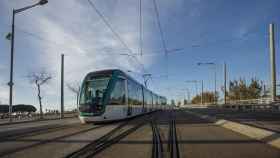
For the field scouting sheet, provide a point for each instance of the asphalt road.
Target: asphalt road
(196, 138)
(203, 139)
(263, 119)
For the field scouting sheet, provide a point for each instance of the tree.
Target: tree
(196, 99)
(75, 88)
(255, 89)
(234, 92)
(240, 90)
(185, 101)
(243, 89)
(179, 103)
(18, 108)
(208, 97)
(39, 79)
(24, 108)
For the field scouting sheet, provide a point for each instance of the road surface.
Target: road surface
(196, 137)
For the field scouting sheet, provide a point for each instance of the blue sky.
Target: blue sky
(232, 31)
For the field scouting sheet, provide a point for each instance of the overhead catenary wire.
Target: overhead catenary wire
(162, 37)
(152, 52)
(49, 42)
(105, 50)
(55, 44)
(160, 27)
(107, 23)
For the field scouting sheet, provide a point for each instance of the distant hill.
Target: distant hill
(17, 108)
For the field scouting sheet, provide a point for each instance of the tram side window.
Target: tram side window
(139, 95)
(150, 102)
(131, 92)
(118, 93)
(161, 101)
(146, 97)
(156, 99)
(134, 93)
(164, 101)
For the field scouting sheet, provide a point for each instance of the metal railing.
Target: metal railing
(260, 101)
(16, 118)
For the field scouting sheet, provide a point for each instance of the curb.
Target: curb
(266, 136)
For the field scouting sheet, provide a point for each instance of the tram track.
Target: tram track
(45, 140)
(157, 148)
(173, 146)
(13, 135)
(112, 137)
(167, 145)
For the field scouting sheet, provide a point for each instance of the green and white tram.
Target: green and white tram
(109, 95)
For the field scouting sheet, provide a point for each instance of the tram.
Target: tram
(110, 95)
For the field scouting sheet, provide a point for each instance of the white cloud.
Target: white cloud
(2, 67)
(73, 28)
(84, 47)
(4, 92)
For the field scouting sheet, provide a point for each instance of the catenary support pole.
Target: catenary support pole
(215, 84)
(62, 88)
(202, 92)
(11, 83)
(225, 83)
(272, 61)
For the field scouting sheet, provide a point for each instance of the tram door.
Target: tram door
(143, 100)
(128, 103)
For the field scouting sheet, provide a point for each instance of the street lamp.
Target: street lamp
(188, 93)
(193, 81)
(215, 76)
(42, 2)
(11, 37)
(197, 81)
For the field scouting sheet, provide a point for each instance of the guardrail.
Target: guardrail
(250, 101)
(262, 104)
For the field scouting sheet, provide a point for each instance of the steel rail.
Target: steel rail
(106, 141)
(13, 135)
(173, 141)
(157, 150)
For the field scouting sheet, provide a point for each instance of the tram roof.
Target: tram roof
(111, 71)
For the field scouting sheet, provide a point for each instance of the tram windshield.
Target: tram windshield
(93, 91)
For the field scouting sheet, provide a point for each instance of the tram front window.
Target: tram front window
(92, 94)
